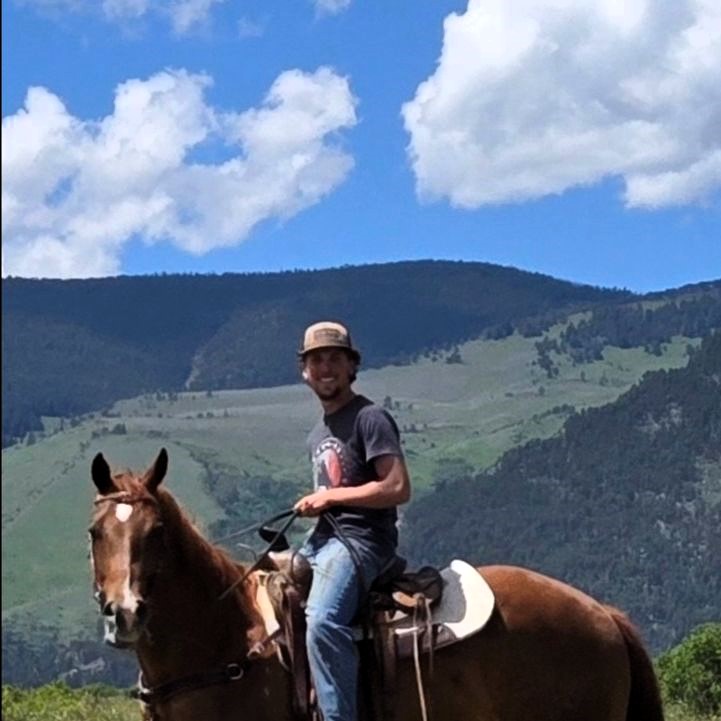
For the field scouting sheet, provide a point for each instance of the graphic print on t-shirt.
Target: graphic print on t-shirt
(330, 464)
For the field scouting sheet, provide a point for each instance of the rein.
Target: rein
(293, 515)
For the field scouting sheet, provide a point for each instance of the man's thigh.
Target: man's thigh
(338, 581)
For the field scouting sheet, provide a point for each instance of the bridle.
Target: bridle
(231, 672)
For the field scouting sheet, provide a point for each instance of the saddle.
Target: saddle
(406, 615)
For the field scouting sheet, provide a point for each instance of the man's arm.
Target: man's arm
(392, 488)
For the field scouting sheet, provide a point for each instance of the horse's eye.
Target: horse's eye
(156, 532)
(95, 533)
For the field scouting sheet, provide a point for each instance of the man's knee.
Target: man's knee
(322, 629)
(318, 626)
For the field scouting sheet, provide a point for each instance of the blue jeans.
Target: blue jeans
(333, 602)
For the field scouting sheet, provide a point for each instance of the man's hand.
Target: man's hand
(314, 503)
(391, 489)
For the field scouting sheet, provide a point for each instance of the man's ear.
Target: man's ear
(305, 374)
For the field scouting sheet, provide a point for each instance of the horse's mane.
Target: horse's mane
(197, 551)
(194, 543)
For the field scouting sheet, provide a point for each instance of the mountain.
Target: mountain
(625, 502)
(464, 407)
(237, 456)
(74, 346)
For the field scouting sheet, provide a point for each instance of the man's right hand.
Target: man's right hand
(314, 503)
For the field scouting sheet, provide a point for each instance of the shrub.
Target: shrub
(690, 673)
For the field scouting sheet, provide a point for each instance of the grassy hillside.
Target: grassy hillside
(78, 345)
(238, 456)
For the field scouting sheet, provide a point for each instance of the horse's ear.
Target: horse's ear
(155, 474)
(102, 478)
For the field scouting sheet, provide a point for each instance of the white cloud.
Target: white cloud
(183, 15)
(188, 14)
(532, 97)
(76, 191)
(248, 28)
(125, 9)
(331, 7)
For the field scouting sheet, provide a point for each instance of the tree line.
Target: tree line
(625, 503)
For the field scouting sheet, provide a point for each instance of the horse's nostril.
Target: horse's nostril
(141, 610)
(108, 608)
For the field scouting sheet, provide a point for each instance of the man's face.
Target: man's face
(328, 371)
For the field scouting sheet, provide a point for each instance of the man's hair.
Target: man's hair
(355, 357)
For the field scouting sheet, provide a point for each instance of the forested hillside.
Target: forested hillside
(75, 346)
(625, 503)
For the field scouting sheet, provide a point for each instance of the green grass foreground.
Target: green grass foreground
(59, 702)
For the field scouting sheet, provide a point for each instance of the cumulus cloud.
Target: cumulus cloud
(76, 191)
(532, 97)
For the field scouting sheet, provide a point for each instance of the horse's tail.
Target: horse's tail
(644, 703)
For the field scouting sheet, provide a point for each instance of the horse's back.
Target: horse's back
(529, 601)
(593, 650)
(549, 652)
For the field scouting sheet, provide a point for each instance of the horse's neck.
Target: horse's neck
(190, 628)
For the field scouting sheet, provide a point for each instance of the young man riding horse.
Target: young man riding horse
(195, 620)
(359, 477)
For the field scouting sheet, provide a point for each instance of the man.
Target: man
(359, 477)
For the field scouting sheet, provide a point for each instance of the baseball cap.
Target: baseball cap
(327, 334)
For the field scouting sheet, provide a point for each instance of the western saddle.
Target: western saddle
(396, 595)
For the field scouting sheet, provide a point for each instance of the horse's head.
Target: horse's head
(127, 545)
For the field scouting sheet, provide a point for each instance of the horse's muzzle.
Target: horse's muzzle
(123, 627)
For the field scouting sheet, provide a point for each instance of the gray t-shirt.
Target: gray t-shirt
(343, 446)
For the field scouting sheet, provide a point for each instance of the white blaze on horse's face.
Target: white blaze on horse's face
(122, 561)
(122, 627)
(123, 511)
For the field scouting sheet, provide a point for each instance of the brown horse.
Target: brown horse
(549, 652)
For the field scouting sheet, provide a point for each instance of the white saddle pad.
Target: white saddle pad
(465, 607)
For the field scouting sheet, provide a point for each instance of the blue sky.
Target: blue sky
(578, 138)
